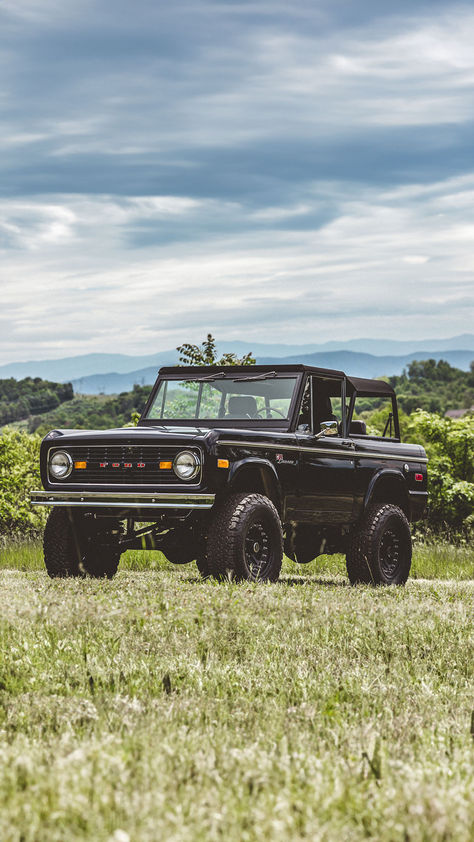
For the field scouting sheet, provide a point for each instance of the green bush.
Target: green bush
(449, 443)
(19, 474)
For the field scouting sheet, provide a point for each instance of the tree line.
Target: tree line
(434, 386)
(20, 399)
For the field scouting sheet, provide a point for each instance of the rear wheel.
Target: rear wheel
(100, 561)
(179, 546)
(245, 539)
(70, 549)
(381, 549)
(203, 565)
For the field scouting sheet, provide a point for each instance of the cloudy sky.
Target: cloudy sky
(262, 169)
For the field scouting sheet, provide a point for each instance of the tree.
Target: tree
(206, 354)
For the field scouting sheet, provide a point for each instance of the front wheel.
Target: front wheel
(245, 539)
(71, 550)
(380, 552)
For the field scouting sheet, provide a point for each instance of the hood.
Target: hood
(127, 435)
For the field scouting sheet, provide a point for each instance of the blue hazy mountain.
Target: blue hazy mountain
(72, 368)
(361, 365)
(110, 373)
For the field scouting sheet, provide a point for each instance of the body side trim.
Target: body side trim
(353, 454)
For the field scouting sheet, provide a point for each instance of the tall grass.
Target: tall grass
(157, 706)
(431, 560)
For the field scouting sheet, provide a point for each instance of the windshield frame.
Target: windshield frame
(231, 423)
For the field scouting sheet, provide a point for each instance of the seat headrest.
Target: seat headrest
(358, 427)
(242, 406)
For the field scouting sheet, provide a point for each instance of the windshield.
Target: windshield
(242, 397)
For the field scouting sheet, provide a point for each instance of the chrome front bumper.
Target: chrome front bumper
(121, 499)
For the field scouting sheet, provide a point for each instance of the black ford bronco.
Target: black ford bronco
(232, 466)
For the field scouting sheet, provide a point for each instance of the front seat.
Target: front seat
(323, 411)
(242, 406)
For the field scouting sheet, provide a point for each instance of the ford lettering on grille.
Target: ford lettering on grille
(138, 465)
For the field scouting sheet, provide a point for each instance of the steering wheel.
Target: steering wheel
(268, 409)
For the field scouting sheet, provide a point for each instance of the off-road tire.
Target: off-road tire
(62, 544)
(69, 552)
(202, 564)
(380, 551)
(202, 561)
(180, 549)
(245, 539)
(100, 562)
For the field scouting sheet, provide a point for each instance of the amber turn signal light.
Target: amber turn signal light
(222, 463)
(80, 466)
(166, 466)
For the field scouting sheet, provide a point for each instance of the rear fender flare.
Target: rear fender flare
(393, 478)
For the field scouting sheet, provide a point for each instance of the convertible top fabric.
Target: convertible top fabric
(367, 388)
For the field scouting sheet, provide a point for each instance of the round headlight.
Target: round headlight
(60, 464)
(186, 465)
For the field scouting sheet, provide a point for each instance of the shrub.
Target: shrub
(449, 443)
(19, 474)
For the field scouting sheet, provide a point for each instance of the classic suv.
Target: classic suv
(228, 466)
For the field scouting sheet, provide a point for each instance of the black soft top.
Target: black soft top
(367, 388)
(361, 385)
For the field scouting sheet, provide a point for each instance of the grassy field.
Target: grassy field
(157, 706)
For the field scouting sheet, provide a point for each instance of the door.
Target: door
(326, 484)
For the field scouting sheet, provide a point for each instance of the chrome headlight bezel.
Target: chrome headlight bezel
(194, 463)
(68, 465)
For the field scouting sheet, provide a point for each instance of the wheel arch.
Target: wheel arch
(388, 486)
(256, 475)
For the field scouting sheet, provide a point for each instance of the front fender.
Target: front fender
(270, 483)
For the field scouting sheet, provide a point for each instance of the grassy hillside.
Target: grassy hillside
(40, 406)
(157, 706)
(19, 399)
(97, 412)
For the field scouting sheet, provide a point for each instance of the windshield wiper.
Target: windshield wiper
(211, 377)
(256, 377)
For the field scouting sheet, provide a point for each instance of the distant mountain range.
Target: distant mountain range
(111, 373)
(361, 365)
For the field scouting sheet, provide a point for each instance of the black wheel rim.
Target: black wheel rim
(390, 553)
(257, 550)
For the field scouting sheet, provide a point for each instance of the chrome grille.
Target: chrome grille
(123, 465)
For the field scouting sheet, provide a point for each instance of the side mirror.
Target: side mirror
(328, 428)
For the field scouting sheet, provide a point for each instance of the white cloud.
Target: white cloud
(34, 223)
(375, 268)
(234, 116)
(415, 259)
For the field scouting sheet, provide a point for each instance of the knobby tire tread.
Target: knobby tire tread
(224, 553)
(361, 558)
(60, 553)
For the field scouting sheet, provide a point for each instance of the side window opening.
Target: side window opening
(321, 402)
(373, 417)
